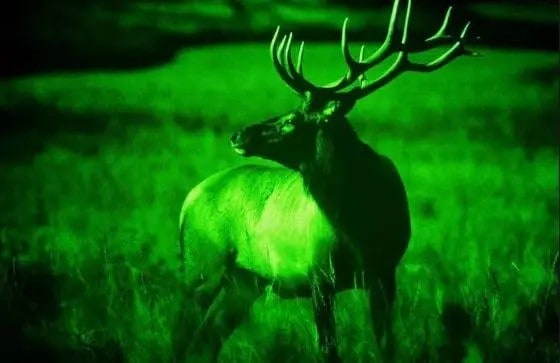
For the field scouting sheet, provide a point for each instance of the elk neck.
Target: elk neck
(362, 196)
(334, 172)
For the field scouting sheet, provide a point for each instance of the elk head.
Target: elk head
(288, 138)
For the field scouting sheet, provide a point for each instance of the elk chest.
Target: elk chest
(289, 237)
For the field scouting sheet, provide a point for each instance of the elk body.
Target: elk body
(334, 209)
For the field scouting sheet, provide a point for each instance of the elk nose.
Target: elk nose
(236, 137)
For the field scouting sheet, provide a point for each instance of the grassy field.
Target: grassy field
(91, 203)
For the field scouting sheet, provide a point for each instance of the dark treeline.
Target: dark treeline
(41, 35)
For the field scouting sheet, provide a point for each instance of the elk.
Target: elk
(333, 208)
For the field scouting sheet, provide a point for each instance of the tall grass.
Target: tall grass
(477, 283)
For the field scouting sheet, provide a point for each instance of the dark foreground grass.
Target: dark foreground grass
(89, 238)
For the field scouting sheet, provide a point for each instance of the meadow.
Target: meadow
(94, 180)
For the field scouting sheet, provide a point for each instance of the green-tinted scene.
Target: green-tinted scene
(112, 111)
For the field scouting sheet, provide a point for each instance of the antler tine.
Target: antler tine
(440, 33)
(396, 68)
(357, 68)
(293, 74)
(403, 64)
(385, 49)
(440, 37)
(281, 60)
(299, 64)
(351, 74)
(362, 77)
(274, 49)
(286, 55)
(295, 70)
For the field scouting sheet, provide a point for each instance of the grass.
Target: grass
(95, 209)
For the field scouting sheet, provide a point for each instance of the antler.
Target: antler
(293, 74)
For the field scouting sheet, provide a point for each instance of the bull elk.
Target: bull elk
(332, 210)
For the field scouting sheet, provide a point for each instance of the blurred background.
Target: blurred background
(85, 34)
(111, 111)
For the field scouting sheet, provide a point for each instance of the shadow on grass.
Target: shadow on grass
(27, 129)
(531, 129)
(546, 76)
(532, 340)
(30, 309)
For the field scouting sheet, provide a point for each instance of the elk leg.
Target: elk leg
(239, 290)
(381, 299)
(323, 295)
(193, 304)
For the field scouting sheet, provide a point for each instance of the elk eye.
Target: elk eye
(288, 127)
